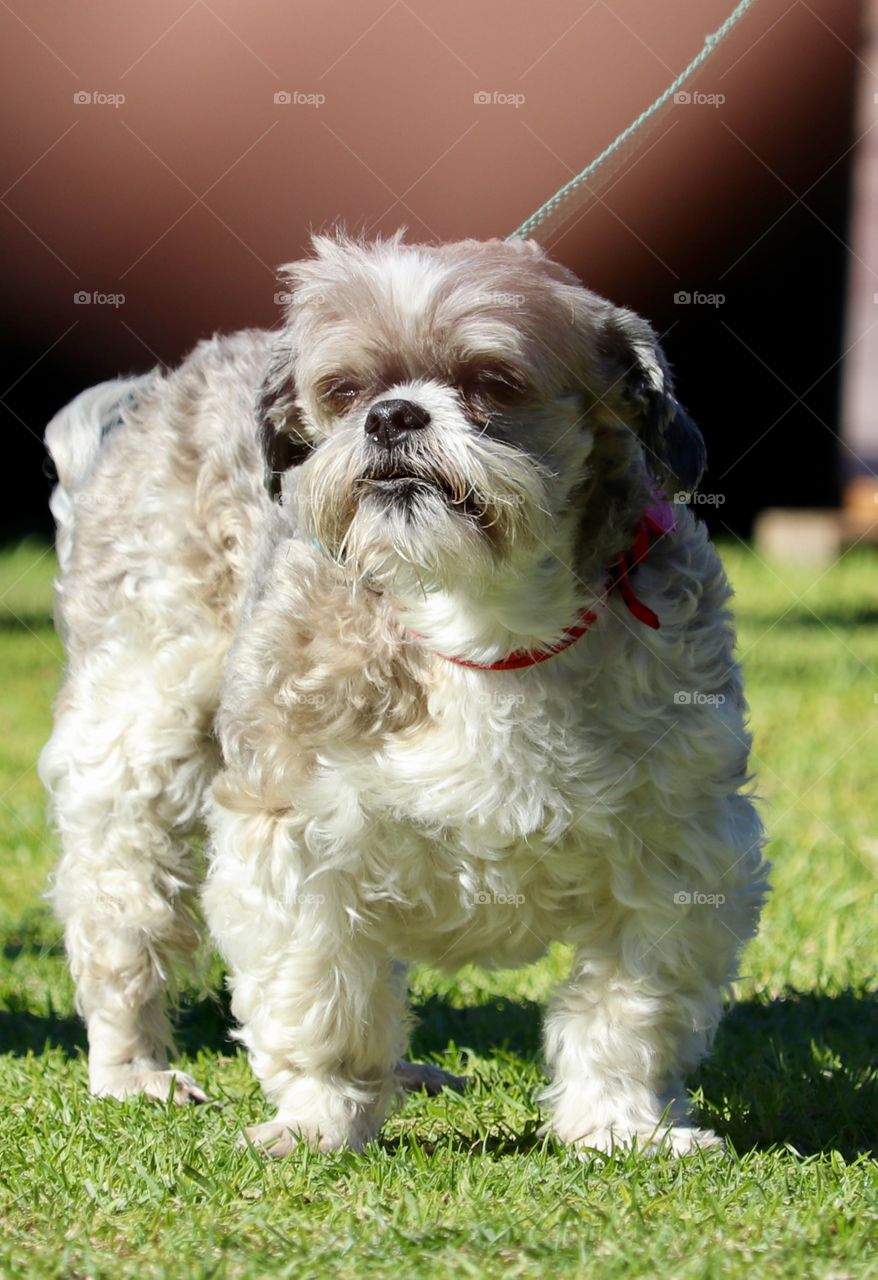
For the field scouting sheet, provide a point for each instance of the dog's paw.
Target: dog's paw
(128, 1081)
(274, 1138)
(674, 1140)
(277, 1138)
(413, 1076)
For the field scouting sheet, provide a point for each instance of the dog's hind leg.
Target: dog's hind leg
(423, 1077)
(126, 767)
(420, 1077)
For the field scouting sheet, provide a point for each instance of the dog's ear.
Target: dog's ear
(281, 437)
(641, 394)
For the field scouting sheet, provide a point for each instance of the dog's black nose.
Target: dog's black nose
(389, 420)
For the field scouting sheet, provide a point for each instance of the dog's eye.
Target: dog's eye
(340, 394)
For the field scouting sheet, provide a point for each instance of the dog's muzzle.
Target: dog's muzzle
(391, 427)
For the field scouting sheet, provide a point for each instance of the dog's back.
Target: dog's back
(159, 495)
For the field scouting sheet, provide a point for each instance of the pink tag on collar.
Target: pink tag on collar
(661, 513)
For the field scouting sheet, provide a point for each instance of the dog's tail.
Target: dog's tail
(73, 440)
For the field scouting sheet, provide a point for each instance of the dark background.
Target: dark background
(187, 196)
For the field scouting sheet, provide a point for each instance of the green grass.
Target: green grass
(463, 1186)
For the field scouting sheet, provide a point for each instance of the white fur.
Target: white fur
(372, 803)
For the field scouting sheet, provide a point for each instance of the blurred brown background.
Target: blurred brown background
(164, 159)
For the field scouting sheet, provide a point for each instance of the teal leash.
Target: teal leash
(566, 194)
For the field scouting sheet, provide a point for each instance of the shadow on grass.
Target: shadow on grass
(42, 621)
(837, 619)
(801, 1069)
(205, 1024)
(34, 935)
(497, 1143)
(22, 1032)
(500, 1023)
(202, 1024)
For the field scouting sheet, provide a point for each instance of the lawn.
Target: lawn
(462, 1186)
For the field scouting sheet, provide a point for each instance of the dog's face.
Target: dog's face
(459, 406)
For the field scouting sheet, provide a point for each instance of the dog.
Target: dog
(393, 603)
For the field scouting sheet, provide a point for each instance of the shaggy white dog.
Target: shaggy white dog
(465, 686)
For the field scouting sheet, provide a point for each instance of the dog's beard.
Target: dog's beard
(420, 513)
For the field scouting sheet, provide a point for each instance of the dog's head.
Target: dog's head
(459, 405)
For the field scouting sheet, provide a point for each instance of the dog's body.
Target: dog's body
(318, 676)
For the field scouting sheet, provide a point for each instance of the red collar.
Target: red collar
(657, 520)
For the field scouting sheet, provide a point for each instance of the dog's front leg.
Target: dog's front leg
(621, 1033)
(321, 1010)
